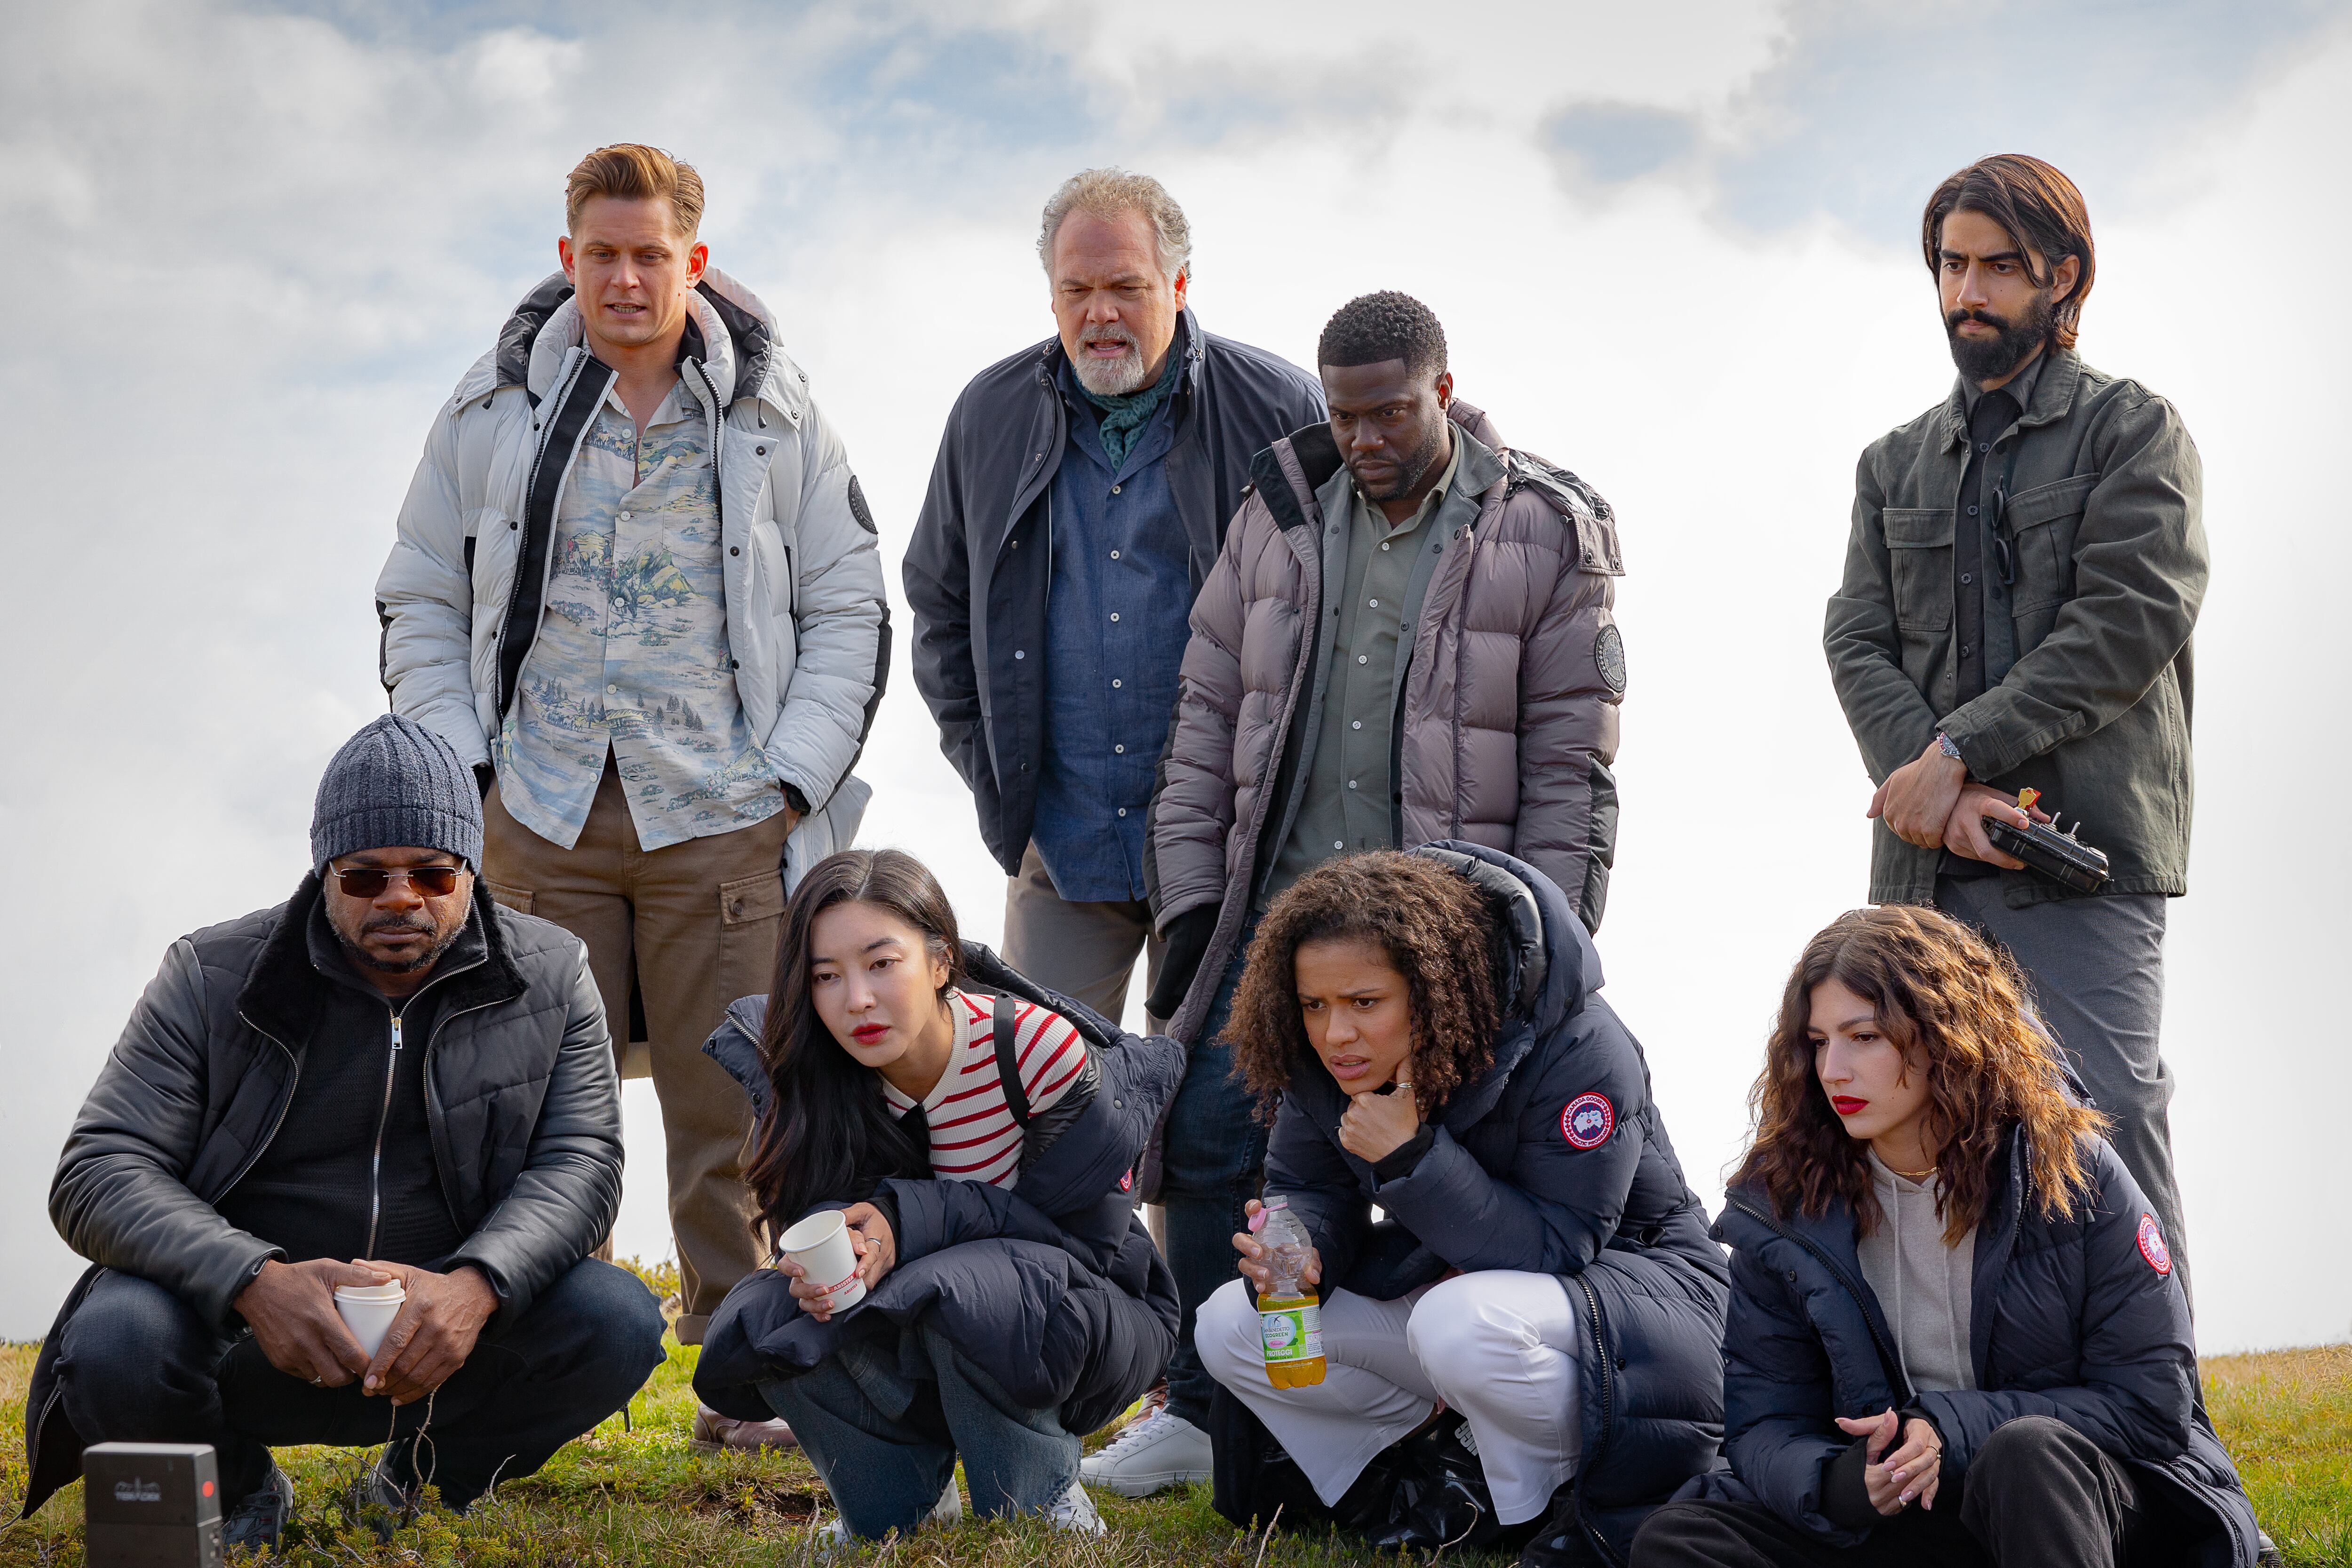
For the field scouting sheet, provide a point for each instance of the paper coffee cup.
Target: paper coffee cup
(368, 1311)
(821, 1245)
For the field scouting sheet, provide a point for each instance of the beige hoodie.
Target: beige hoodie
(1922, 1285)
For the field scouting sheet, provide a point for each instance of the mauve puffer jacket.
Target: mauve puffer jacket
(1509, 715)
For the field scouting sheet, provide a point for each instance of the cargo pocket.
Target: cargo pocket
(1919, 556)
(2044, 521)
(750, 915)
(516, 899)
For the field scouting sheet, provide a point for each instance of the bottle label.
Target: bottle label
(1292, 1334)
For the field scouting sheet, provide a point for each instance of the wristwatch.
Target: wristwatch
(1944, 744)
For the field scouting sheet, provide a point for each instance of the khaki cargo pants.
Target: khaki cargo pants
(694, 925)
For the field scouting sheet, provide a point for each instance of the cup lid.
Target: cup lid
(390, 1290)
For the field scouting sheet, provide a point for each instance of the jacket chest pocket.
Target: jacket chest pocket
(2041, 522)
(1919, 557)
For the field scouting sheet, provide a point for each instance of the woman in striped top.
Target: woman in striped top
(896, 1101)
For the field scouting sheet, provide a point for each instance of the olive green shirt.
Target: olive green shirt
(1350, 788)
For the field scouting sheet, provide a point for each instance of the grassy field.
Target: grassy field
(625, 1498)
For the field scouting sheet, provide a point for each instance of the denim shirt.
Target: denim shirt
(1119, 596)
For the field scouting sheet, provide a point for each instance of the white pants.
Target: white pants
(1499, 1347)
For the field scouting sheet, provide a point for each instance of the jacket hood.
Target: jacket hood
(1546, 966)
(1311, 447)
(731, 330)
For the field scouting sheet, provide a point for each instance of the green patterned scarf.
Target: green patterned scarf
(1125, 416)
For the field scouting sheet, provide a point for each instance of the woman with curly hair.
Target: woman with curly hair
(1523, 1350)
(1955, 1335)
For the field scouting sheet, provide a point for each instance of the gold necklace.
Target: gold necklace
(1913, 1176)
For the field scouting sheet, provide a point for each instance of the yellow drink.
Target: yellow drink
(1290, 1328)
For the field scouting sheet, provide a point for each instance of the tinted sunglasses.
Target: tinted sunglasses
(370, 881)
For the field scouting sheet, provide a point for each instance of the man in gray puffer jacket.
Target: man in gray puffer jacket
(383, 1079)
(1406, 639)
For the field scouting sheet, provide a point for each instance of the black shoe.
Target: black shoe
(1562, 1541)
(1442, 1494)
(259, 1518)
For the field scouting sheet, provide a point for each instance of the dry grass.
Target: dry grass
(622, 1499)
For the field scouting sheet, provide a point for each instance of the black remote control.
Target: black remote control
(2061, 856)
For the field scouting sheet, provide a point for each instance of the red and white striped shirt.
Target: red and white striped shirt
(973, 1136)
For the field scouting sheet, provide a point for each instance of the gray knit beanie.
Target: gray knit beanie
(396, 784)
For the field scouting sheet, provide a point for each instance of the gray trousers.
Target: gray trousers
(2096, 965)
(1082, 950)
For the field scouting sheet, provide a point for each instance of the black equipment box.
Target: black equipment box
(2062, 857)
(151, 1505)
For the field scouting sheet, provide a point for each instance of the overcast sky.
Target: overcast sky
(1674, 247)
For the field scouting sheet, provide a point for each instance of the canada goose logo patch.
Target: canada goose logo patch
(1609, 658)
(2151, 1245)
(1588, 1121)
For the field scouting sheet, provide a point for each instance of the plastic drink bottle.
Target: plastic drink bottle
(1289, 1318)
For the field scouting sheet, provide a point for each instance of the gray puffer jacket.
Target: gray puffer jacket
(1507, 720)
(520, 1094)
(462, 594)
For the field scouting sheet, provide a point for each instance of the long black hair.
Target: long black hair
(826, 1134)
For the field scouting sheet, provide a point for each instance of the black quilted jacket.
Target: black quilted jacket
(521, 1093)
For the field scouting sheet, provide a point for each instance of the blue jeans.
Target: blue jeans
(884, 1418)
(135, 1365)
(1211, 1159)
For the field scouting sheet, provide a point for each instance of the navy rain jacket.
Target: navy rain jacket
(982, 556)
(2080, 1319)
(1554, 1162)
(1053, 1282)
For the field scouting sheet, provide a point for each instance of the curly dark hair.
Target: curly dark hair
(1372, 329)
(1934, 983)
(1438, 931)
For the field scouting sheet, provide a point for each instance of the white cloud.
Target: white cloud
(257, 248)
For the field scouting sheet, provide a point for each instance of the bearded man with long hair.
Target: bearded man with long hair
(1956, 1334)
(2025, 569)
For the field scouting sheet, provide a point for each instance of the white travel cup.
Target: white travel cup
(821, 1245)
(368, 1311)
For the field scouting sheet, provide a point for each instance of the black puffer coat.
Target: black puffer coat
(1556, 1161)
(520, 1094)
(2079, 1320)
(1054, 1278)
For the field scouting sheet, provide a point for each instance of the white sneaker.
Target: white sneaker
(946, 1510)
(1075, 1511)
(1159, 1451)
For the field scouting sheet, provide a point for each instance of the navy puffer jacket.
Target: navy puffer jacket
(2079, 1320)
(1053, 1280)
(1554, 1162)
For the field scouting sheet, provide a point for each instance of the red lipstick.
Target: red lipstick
(866, 1034)
(1847, 1105)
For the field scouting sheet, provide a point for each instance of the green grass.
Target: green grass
(640, 1496)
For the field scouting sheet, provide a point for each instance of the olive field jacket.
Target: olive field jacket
(2090, 704)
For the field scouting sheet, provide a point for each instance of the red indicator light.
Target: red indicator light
(209, 1488)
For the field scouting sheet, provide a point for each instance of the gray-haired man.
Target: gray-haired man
(1093, 472)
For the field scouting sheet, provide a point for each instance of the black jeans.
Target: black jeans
(2039, 1491)
(1211, 1159)
(135, 1365)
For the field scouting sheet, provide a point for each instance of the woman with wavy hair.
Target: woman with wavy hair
(977, 1133)
(1523, 1351)
(1955, 1334)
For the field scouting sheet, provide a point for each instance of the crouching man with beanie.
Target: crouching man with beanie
(384, 1078)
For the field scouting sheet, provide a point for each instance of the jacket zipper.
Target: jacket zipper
(1888, 1362)
(1591, 1462)
(530, 484)
(382, 1118)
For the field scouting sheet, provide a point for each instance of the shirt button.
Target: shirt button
(1117, 684)
(1965, 650)
(1338, 844)
(1118, 751)
(1114, 555)
(1351, 784)
(1114, 614)
(1968, 576)
(624, 517)
(1375, 604)
(1384, 545)
(1114, 489)
(1122, 811)
(1984, 445)
(1019, 653)
(1364, 659)
(611, 690)
(1355, 723)
(1972, 512)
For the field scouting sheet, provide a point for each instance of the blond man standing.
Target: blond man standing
(635, 586)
